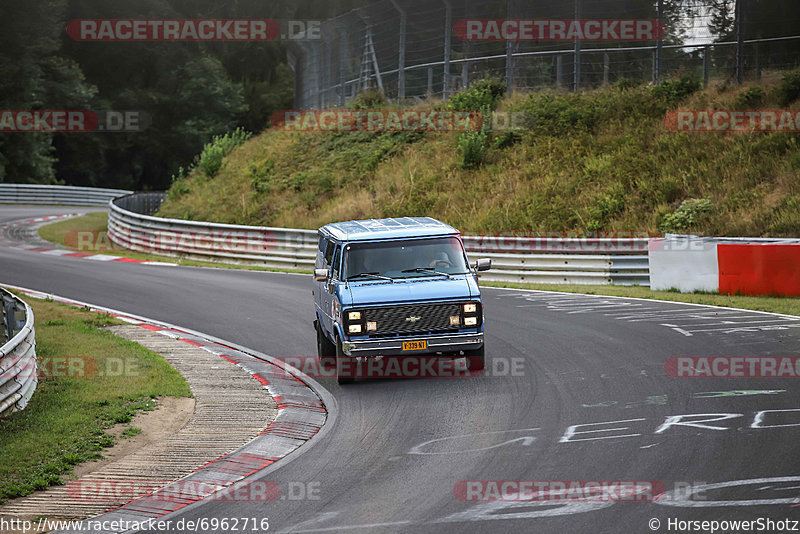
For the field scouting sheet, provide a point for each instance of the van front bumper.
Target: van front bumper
(394, 346)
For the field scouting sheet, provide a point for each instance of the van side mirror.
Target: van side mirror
(483, 264)
(320, 275)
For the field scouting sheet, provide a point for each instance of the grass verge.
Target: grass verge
(88, 234)
(66, 421)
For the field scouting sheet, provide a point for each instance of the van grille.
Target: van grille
(395, 319)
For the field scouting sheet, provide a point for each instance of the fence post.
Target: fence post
(706, 64)
(430, 81)
(559, 69)
(660, 43)
(509, 52)
(401, 54)
(757, 62)
(448, 38)
(576, 81)
(509, 67)
(342, 66)
(606, 68)
(654, 75)
(739, 18)
(465, 75)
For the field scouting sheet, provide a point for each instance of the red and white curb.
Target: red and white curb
(304, 406)
(7, 242)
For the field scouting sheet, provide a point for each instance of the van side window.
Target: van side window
(336, 257)
(329, 254)
(320, 264)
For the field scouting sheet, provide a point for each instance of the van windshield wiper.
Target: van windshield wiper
(371, 275)
(424, 270)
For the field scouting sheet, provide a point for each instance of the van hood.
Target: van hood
(367, 292)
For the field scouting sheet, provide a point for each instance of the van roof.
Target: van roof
(399, 227)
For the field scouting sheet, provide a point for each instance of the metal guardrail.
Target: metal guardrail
(18, 369)
(606, 261)
(57, 194)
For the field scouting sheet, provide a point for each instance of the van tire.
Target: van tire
(476, 359)
(340, 357)
(326, 351)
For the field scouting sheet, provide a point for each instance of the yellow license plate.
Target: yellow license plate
(415, 345)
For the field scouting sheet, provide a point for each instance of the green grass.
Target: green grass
(593, 161)
(786, 305)
(65, 233)
(66, 421)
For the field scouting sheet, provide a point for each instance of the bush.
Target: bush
(789, 90)
(368, 100)
(750, 99)
(472, 146)
(483, 94)
(557, 113)
(179, 186)
(210, 159)
(673, 91)
(689, 213)
(607, 205)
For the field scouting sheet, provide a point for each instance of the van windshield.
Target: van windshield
(413, 258)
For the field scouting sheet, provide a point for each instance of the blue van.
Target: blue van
(402, 286)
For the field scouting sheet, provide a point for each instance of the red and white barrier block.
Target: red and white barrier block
(729, 266)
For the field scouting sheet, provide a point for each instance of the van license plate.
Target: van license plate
(415, 345)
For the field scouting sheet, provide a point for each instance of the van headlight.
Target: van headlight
(354, 328)
(470, 314)
(354, 315)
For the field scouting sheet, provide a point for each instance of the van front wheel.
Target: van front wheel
(344, 373)
(476, 359)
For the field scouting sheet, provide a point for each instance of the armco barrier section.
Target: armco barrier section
(515, 259)
(18, 369)
(57, 194)
(684, 263)
(759, 269)
(747, 266)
